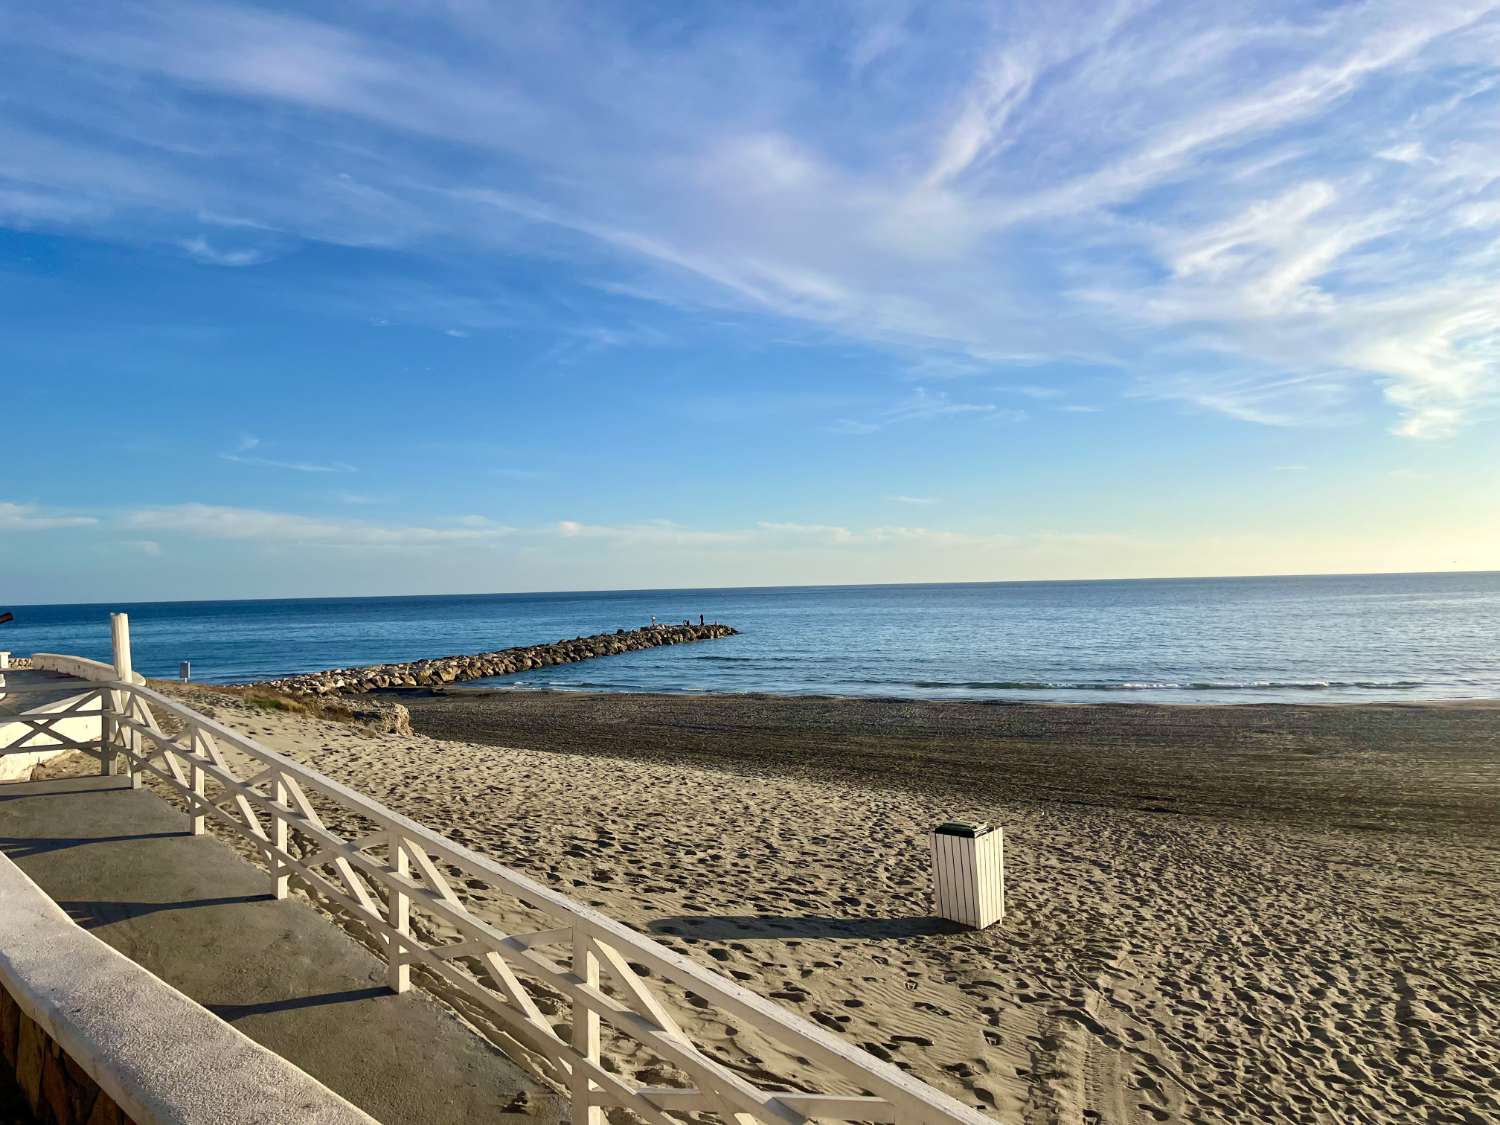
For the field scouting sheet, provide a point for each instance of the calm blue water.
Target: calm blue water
(1430, 636)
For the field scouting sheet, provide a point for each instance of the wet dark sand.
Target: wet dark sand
(1404, 767)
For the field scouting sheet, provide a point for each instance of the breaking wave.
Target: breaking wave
(1166, 685)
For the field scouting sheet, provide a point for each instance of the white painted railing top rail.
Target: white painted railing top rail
(389, 866)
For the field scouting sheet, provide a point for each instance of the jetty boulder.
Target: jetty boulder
(380, 715)
(502, 662)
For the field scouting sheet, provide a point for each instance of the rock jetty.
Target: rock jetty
(455, 669)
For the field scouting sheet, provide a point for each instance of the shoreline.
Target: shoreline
(1125, 701)
(1429, 767)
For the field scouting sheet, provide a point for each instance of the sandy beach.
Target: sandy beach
(1216, 914)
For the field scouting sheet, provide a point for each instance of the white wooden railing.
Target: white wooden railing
(49, 729)
(389, 871)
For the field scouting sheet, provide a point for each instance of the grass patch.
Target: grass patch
(260, 698)
(266, 702)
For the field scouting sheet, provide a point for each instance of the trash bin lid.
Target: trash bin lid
(962, 828)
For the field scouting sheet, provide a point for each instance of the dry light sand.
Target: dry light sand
(1216, 914)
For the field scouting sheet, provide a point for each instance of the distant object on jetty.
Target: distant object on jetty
(505, 662)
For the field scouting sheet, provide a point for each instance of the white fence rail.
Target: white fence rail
(51, 728)
(388, 871)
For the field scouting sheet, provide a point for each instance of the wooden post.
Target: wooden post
(585, 1031)
(279, 837)
(119, 624)
(195, 777)
(107, 704)
(119, 627)
(397, 968)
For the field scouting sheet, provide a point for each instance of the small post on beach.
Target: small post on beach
(968, 873)
(185, 670)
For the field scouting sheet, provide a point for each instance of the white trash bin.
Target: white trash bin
(968, 873)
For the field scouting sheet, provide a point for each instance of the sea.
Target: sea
(1320, 639)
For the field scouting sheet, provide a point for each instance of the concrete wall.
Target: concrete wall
(55, 1087)
(94, 1039)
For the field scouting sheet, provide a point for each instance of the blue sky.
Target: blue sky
(455, 296)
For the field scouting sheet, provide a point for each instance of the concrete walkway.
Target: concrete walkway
(196, 915)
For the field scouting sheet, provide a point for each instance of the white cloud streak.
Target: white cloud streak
(922, 405)
(30, 517)
(293, 466)
(200, 250)
(211, 521)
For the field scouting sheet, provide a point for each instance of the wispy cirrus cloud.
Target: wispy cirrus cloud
(293, 466)
(201, 250)
(922, 405)
(243, 455)
(1286, 215)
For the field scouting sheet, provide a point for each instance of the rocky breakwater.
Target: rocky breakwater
(455, 669)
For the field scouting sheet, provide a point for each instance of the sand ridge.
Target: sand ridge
(1153, 967)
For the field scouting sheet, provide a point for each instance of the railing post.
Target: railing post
(108, 705)
(130, 740)
(195, 776)
(585, 1031)
(279, 875)
(397, 968)
(119, 626)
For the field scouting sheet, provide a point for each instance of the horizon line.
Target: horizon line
(771, 586)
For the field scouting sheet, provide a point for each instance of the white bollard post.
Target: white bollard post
(4, 664)
(968, 873)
